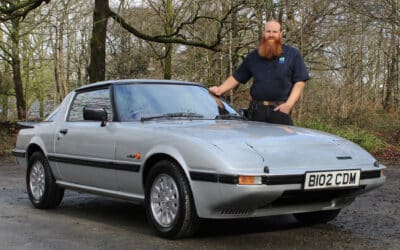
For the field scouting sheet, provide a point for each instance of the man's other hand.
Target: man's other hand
(284, 107)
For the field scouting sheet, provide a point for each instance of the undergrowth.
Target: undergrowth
(7, 142)
(374, 143)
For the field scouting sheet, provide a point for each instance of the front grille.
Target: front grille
(235, 211)
(370, 174)
(283, 179)
(301, 197)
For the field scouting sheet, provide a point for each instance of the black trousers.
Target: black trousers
(261, 113)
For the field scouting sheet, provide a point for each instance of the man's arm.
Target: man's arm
(228, 84)
(294, 96)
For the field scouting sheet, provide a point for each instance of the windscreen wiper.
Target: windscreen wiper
(173, 115)
(229, 117)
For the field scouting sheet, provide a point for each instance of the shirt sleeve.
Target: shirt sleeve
(243, 73)
(300, 72)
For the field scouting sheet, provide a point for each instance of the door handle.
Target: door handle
(63, 131)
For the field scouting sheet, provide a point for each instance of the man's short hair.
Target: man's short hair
(276, 21)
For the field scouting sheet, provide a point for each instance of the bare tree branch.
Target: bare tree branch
(176, 36)
(10, 10)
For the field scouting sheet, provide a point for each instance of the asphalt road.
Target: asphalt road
(91, 222)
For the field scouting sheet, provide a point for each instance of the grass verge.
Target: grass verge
(375, 144)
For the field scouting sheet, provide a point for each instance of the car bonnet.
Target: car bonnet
(276, 145)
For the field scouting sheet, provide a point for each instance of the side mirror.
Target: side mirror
(95, 113)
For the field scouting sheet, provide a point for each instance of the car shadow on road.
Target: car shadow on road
(132, 217)
(216, 228)
(107, 211)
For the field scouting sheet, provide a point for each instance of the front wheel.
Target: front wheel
(40, 183)
(169, 203)
(317, 217)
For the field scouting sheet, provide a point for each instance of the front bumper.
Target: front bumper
(220, 197)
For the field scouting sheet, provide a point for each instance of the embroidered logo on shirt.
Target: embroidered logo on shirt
(281, 60)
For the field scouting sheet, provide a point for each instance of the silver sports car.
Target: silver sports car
(187, 155)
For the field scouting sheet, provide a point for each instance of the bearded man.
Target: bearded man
(279, 77)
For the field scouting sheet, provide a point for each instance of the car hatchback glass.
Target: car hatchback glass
(173, 115)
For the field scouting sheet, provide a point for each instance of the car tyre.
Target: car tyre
(318, 217)
(169, 202)
(41, 186)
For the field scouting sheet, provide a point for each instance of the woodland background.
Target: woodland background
(351, 48)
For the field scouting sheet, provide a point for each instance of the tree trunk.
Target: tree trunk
(16, 68)
(57, 74)
(396, 79)
(41, 103)
(61, 56)
(97, 66)
(169, 46)
(3, 90)
(388, 100)
(4, 106)
(168, 61)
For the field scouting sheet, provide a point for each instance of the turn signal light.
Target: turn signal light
(382, 172)
(249, 180)
(137, 156)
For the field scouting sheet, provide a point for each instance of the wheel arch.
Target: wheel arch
(153, 159)
(32, 148)
(36, 143)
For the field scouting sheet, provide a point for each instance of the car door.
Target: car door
(84, 150)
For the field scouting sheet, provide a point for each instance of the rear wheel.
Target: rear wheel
(40, 183)
(169, 203)
(318, 217)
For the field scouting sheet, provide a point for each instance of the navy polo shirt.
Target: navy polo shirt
(274, 78)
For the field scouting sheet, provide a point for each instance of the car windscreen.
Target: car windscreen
(141, 101)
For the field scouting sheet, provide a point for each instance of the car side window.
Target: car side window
(100, 97)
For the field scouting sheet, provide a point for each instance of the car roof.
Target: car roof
(134, 81)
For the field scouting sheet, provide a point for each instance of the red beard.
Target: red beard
(270, 48)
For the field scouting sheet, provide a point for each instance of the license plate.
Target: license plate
(332, 179)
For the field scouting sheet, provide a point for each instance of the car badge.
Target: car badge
(136, 156)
